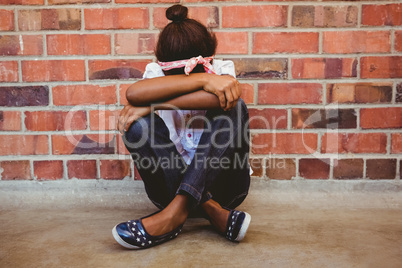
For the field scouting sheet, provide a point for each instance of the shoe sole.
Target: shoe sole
(244, 227)
(121, 241)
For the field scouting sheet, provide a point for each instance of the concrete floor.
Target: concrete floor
(288, 229)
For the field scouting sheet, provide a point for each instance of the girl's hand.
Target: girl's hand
(129, 114)
(226, 88)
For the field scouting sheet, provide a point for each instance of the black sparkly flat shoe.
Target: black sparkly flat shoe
(132, 235)
(238, 223)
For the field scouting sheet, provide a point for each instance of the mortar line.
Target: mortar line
(227, 56)
(65, 169)
(241, 80)
(331, 169)
(388, 148)
(151, 18)
(392, 37)
(250, 43)
(127, 157)
(364, 168)
(31, 166)
(359, 15)
(245, 29)
(255, 87)
(220, 17)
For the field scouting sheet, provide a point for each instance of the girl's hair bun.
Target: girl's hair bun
(177, 13)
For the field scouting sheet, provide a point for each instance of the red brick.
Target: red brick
(21, 45)
(84, 94)
(359, 93)
(58, 2)
(6, 20)
(379, 15)
(103, 119)
(81, 169)
(116, 69)
(381, 169)
(63, 145)
(145, 1)
(320, 68)
(354, 143)
(348, 168)
(135, 43)
(30, 20)
(48, 170)
(357, 42)
(197, 1)
(24, 144)
(254, 16)
(398, 40)
(381, 67)
(314, 168)
(295, 42)
(116, 18)
(122, 93)
(55, 120)
(17, 96)
(381, 117)
(137, 175)
(15, 170)
(284, 143)
(247, 93)
(77, 44)
(257, 166)
(232, 42)
(206, 15)
(83, 144)
(396, 143)
(324, 118)
(10, 120)
(267, 118)
(121, 148)
(114, 169)
(21, 2)
(398, 96)
(261, 68)
(8, 71)
(280, 168)
(53, 70)
(289, 93)
(324, 16)
(49, 19)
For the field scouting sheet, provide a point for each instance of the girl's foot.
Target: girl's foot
(233, 224)
(154, 229)
(218, 216)
(174, 215)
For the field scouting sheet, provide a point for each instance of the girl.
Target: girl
(193, 155)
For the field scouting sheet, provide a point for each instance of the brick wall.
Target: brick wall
(323, 81)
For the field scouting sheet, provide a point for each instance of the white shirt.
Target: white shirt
(186, 126)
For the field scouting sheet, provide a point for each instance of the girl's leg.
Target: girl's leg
(161, 168)
(156, 158)
(220, 167)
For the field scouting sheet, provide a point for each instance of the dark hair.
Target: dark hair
(184, 38)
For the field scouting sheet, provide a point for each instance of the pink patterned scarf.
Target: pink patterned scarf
(189, 64)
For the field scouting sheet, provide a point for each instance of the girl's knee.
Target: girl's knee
(138, 130)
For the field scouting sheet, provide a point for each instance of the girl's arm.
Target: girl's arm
(198, 100)
(167, 88)
(192, 101)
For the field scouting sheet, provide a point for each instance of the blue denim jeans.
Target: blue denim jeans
(219, 169)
